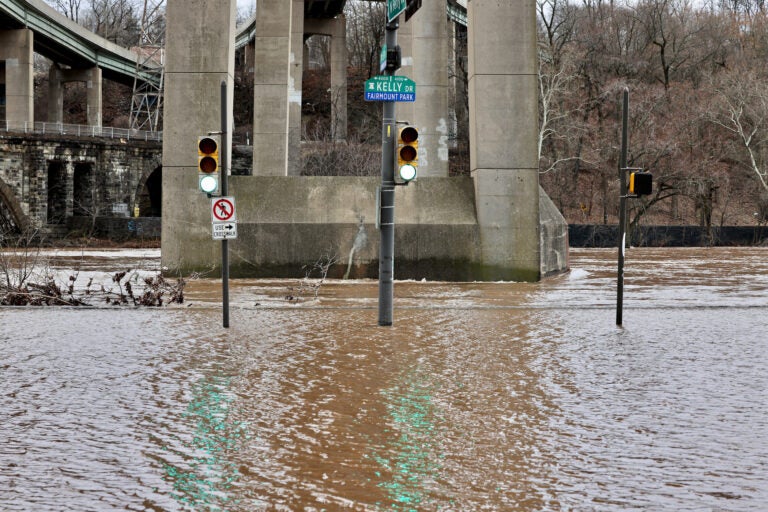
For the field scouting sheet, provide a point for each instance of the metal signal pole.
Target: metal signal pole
(387, 196)
(622, 207)
(223, 159)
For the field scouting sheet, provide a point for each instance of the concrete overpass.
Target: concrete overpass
(31, 26)
(496, 224)
(456, 11)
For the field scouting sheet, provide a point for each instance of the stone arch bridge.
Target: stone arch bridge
(56, 185)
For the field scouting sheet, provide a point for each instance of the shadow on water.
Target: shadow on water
(482, 396)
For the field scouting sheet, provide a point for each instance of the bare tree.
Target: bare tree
(69, 8)
(743, 113)
(365, 34)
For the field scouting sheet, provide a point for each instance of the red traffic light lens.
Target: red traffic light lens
(408, 153)
(409, 134)
(208, 164)
(207, 145)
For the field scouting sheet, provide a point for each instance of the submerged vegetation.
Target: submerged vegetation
(27, 279)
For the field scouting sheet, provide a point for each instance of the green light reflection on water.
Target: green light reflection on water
(205, 477)
(410, 459)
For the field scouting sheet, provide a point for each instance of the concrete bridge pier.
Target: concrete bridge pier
(497, 225)
(200, 55)
(280, 33)
(336, 29)
(503, 105)
(424, 40)
(272, 87)
(16, 50)
(295, 83)
(58, 76)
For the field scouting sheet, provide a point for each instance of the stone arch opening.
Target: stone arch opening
(57, 193)
(12, 218)
(83, 190)
(150, 196)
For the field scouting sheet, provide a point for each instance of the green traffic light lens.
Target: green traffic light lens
(407, 172)
(209, 184)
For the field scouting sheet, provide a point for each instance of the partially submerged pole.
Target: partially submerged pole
(622, 208)
(387, 197)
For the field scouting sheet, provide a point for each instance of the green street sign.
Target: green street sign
(383, 59)
(395, 8)
(390, 88)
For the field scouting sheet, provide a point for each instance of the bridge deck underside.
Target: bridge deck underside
(323, 8)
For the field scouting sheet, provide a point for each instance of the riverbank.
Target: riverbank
(601, 235)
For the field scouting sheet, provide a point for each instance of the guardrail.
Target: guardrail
(80, 130)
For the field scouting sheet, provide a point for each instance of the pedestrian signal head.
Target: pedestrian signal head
(640, 183)
(407, 155)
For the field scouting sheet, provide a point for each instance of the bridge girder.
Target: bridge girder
(64, 41)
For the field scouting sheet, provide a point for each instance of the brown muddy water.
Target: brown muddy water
(482, 396)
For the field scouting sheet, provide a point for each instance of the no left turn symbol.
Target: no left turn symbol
(223, 209)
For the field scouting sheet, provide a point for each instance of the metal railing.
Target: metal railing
(79, 130)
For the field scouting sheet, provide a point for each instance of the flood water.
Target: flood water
(482, 396)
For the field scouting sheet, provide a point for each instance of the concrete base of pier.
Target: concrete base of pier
(287, 223)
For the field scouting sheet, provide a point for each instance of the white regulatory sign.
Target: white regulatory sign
(223, 209)
(224, 230)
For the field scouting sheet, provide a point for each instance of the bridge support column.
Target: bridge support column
(16, 49)
(430, 72)
(200, 44)
(295, 81)
(271, 86)
(57, 77)
(503, 106)
(93, 86)
(339, 78)
(55, 94)
(336, 28)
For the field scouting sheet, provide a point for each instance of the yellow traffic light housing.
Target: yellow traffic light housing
(208, 163)
(407, 155)
(640, 183)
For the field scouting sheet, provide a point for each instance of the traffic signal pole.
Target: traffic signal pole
(622, 243)
(223, 159)
(387, 196)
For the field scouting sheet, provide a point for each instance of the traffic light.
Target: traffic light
(407, 155)
(640, 183)
(208, 163)
(394, 59)
(411, 7)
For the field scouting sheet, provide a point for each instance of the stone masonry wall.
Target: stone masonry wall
(99, 177)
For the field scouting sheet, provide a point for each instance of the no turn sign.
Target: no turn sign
(223, 209)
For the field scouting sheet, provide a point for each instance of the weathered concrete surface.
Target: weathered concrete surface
(503, 102)
(273, 88)
(286, 223)
(430, 72)
(200, 55)
(16, 49)
(488, 227)
(554, 237)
